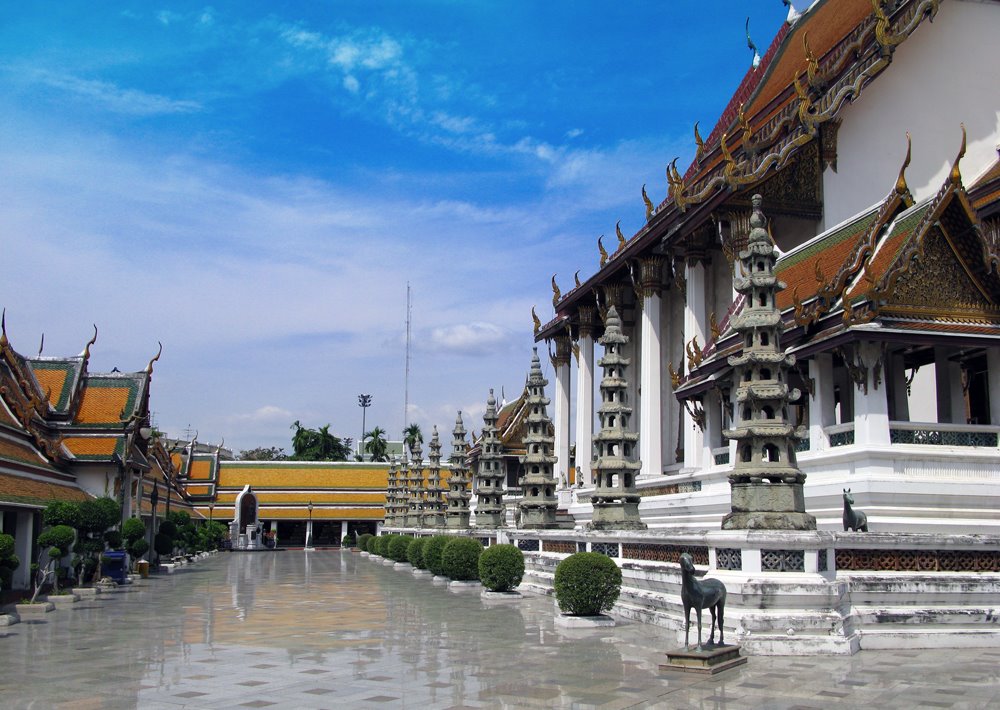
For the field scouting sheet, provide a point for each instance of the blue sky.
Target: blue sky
(254, 183)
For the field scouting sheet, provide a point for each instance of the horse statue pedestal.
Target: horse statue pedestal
(708, 661)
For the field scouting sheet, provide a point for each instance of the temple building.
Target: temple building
(871, 134)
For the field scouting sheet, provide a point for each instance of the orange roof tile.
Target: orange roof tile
(234, 474)
(22, 452)
(303, 498)
(103, 405)
(104, 446)
(201, 470)
(54, 382)
(17, 489)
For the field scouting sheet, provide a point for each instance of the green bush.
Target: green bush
(138, 548)
(133, 529)
(587, 583)
(398, 546)
(433, 550)
(415, 552)
(460, 558)
(168, 528)
(501, 567)
(114, 539)
(60, 512)
(59, 538)
(382, 545)
(8, 560)
(364, 540)
(6, 545)
(348, 541)
(163, 544)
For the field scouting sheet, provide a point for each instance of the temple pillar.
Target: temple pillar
(585, 397)
(948, 381)
(23, 538)
(560, 362)
(871, 408)
(822, 407)
(651, 365)
(899, 405)
(711, 437)
(309, 533)
(695, 318)
(993, 378)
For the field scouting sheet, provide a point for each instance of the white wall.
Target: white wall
(946, 73)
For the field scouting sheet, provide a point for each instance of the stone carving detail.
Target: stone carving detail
(538, 505)
(782, 561)
(564, 547)
(918, 560)
(490, 508)
(729, 558)
(766, 481)
(528, 545)
(434, 507)
(663, 553)
(609, 549)
(615, 498)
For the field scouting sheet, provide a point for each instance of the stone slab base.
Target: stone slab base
(417, 572)
(86, 592)
(402, 565)
(35, 609)
(365, 554)
(387, 562)
(930, 638)
(61, 600)
(567, 621)
(489, 596)
(168, 568)
(456, 585)
(9, 619)
(708, 661)
(438, 579)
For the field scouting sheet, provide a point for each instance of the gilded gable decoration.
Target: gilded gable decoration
(86, 349)
(700, 151)
(149, 367)
(556, 293)
(649, 203)
(602, 250)
(621, 237)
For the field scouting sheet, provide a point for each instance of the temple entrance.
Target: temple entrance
(292, 533)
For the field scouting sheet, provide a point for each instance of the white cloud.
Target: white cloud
(351, 84)
(112, 97)
(468, 338)
(574, 133)
(268, 414)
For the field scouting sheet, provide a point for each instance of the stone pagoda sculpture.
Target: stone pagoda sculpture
(458, 482)
(490, 509)
(538, 506)
(433, 513)
(616, 500)
(403, 500)
(391, 493)
(766, 483)
(416, 485)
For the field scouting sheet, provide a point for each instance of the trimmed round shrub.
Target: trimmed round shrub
(363, 542)
(433, 550)
(460, 558)
(382, 545)
(501, 567)
(6, 545)
(133, 529)
(61, 512)
(59, 538)
(163, 544)
(138, 548)
(587, 583)
(168, 528)
(415, 552)
(114, 539)
(398, 546)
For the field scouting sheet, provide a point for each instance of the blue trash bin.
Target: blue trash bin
(113, 566)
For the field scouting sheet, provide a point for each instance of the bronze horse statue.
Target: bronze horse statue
(701, 594)
(853, 519)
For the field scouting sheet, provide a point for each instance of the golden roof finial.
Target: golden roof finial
(618, 233)
(576, 278)
(604, 252)
(745, 126)
(41, 345)
(812, 65)
(149, 367)
(86, 349)
(648, 203)
(956, 174)
(3, 329)
(678, 186)
(556, 293)
(901, 186)
(698, 142)
(536, 320)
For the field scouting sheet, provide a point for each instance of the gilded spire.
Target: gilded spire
(537, 324)
(3, 329)
(648, 203)
(556, 293)
(901, 187)
(86, 349)
(956, 174)
(149, 367)
(618, 233)
(604, 252)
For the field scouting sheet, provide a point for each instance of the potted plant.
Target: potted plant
(501, 568)
(586, 585)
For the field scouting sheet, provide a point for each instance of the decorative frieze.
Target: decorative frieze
(653, 552)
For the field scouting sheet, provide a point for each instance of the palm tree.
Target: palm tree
(376, 445)
(411, 435)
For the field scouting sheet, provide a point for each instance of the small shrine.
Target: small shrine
(490, 508)
(615, 499)
(766, 482)
(458, 482)
(434, 505)
(538, 506)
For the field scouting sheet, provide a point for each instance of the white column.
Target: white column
(561, 422)
(585, 397)
(871, 410)
(948, 381)
(900, 410)
(23, 534)
(309, 534)
(695, 318)
(651, 365)
(993, 377)
(713, 426)
(822, 409)
(343, 529)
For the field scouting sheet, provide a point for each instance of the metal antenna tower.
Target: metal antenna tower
(406, 377)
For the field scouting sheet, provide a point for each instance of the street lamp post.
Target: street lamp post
(364, 401)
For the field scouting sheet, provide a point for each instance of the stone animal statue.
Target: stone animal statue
(701, 594)
(853, 519)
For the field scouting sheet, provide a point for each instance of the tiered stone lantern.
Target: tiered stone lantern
(538, 504)
(615, 499)
(391, 493)
(416, 485)
(458, 482)
(766, 482)
(490, 509)
(433, 516)
(404, 491)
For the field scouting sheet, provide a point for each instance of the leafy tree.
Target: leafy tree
(263, 453)
(411, 435)
(58, 539)
(62, 512)
(8, 560)
(376, 444)
(319, 444)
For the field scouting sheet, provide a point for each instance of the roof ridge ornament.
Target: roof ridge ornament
(86, 349)
(621, 237)
(901, 187)
(576, 279)
(755, 62)
(41, 346)
(149, 367)
(556, 293)
(700, 152)
(883, 35)
(793, 14)
(956, 173)
(812, 64)
(3, 329)
(537, 322)
(649, 204)
(604, 252)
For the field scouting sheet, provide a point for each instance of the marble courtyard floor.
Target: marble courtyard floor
(335, 630)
